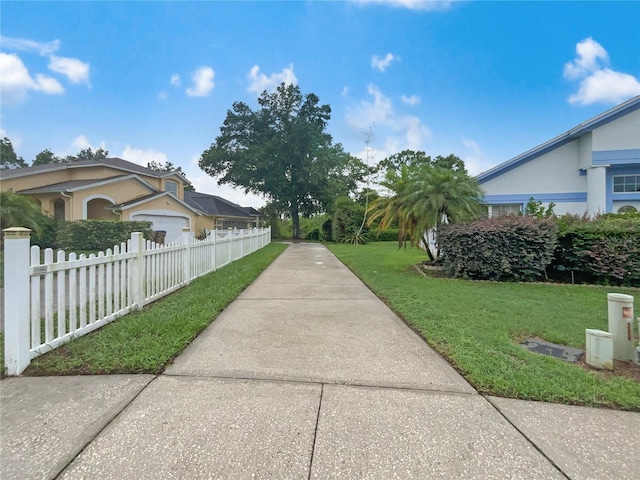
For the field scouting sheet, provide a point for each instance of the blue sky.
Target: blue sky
(154, 80)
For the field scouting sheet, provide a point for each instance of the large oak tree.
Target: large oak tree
(282, 151)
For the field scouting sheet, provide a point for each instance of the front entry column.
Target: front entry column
(596, 190)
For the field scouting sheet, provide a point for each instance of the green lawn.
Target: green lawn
(146, 341)
(477, 325)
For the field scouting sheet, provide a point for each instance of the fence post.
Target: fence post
(137, 269)
(186, 259)
(17, 355)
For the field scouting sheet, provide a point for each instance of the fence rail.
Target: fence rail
(49, 302)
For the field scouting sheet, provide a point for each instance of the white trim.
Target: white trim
(161, 213)
(93, 197)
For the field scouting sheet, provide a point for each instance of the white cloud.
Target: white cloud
(590, 56)
(598, 83)
(473, 157)
(204, 183)
(80, 143)
(259, 82)
(379, 111)
(606, 86)
(382, 64)
(75, 70)
(412, 100)
(202, 82)
(416, 132)
(424, 5)
(48, 85)
(142, 157)
(15, 80)
(20, 44)
(175, 80)
(399, 131)
(163, 95)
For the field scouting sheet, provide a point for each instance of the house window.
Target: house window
(58, 209)
(627, 209)
(171, 187)
(504, 209)
(626, 183)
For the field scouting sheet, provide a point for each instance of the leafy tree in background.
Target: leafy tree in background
(88, 154)
(283, 152)
(46, 157)
(415, 159)
(8, 157)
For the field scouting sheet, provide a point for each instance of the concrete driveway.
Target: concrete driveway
(306, 375)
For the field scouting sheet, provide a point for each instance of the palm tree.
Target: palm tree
(19, 211)
(389, 210)
(435, 195)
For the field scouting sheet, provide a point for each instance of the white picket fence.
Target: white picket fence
(48, 303)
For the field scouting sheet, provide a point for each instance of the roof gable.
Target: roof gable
(115, 163)
(153, 196)
(78, 185)
(580, 130)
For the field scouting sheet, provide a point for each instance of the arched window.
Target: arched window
(627, 209)
(58, 209)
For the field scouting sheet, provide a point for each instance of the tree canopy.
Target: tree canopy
(45, 157)
(282, 151)
(89, 154)
(8, 157)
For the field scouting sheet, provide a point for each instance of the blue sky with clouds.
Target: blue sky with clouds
(154, 80)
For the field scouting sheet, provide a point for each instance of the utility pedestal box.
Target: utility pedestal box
(599, 349)
(621, 326)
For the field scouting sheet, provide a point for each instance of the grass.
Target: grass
(148, 340)
(477, 326)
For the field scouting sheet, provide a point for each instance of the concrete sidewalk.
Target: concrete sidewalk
(306, 375)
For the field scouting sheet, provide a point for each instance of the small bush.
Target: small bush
(48, 237)
(504, 248)
(347, 220)
(98, 234)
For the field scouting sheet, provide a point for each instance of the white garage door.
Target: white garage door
(171, 224)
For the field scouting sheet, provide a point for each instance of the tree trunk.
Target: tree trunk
(295, 220)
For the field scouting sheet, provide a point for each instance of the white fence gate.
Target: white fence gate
(48, 303)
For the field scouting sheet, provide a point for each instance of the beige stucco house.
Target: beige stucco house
(113, 188)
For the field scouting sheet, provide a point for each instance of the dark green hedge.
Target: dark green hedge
(504, 248)
(347, 220)
(98, 234)
(604, 250)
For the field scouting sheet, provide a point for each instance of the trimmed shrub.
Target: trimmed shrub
(603, 250)
(389, 235)
(98, 234)
(503, 248)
